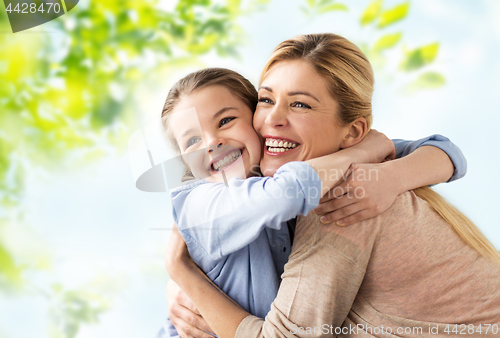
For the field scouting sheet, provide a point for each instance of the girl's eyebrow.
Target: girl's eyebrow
(189, 131)
(290, 93)
(222, 111)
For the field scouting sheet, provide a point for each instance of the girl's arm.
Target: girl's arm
(223, 219)
(431, 160)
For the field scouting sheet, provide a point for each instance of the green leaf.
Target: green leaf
(387, 41)
(333, 7)
(420, 57)
(428, 80)
(8, 268)
(305, 10)
(325, 2)
(371, 12)
(311, 3)
(393, 15)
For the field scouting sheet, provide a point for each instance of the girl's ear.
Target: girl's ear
(355, 133)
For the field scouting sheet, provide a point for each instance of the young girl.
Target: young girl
(236, 230)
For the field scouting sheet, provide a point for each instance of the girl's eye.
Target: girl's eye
(265, 100)
(299, 104)
(192, 141)
(225, 120)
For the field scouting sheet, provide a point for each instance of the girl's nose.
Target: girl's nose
(214, 144)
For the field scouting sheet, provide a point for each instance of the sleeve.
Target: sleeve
(318, 269)
(404, 147)
(167, 330)
(223, 219)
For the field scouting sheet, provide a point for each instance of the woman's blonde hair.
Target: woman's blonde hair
(341, 63)
(350, 78)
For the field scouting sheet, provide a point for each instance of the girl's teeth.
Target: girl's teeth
(285, 144)
(228, 159)
(280, 144)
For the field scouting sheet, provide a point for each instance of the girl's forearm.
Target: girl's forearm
(221, 312)
(425, 166)
(333, 168)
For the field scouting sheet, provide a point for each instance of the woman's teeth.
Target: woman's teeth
(226, 161)
(279, 146)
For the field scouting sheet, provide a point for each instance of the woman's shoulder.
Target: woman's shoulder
(406, 209)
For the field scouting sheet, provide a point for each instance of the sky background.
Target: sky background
(97, 224)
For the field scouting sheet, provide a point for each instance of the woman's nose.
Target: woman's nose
(277, 117)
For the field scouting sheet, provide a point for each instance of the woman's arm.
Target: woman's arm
(315, 268)
(223, 314)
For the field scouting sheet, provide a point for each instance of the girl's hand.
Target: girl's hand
(377, 147)
(368, 191)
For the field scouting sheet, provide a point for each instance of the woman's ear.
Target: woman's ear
(355, 133)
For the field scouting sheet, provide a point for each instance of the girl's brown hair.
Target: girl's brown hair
(234, 82)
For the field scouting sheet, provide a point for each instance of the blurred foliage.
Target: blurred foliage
(379, 20)
(414, 62)
(393, 15)
(67, 92)
(316, 7)
(70, 309)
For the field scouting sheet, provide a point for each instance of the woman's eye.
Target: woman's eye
(225, 120)
(265, 100)
(192, 141)
(300, 105)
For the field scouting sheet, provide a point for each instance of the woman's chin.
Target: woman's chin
(268, 167)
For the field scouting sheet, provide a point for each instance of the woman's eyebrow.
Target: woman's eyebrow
(222, 111)
(302, 93)
(290, 93)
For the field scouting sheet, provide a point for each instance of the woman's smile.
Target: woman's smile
(277, 145)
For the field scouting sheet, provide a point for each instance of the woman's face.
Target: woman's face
(214, 131)
(296, 116)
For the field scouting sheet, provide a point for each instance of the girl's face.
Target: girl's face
(296, 116)
(214, 131)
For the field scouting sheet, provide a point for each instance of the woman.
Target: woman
(359, 274)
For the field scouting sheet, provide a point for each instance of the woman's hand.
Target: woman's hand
(177, 255)
(184, 315)
(377, 147)
(368, 191)
(182, 312)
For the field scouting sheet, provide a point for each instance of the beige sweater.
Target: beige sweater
(405, 271)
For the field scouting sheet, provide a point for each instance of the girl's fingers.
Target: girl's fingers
(341, 213)
(335, 204)
(336, 192)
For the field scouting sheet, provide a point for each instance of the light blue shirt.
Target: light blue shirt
(239, 235)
